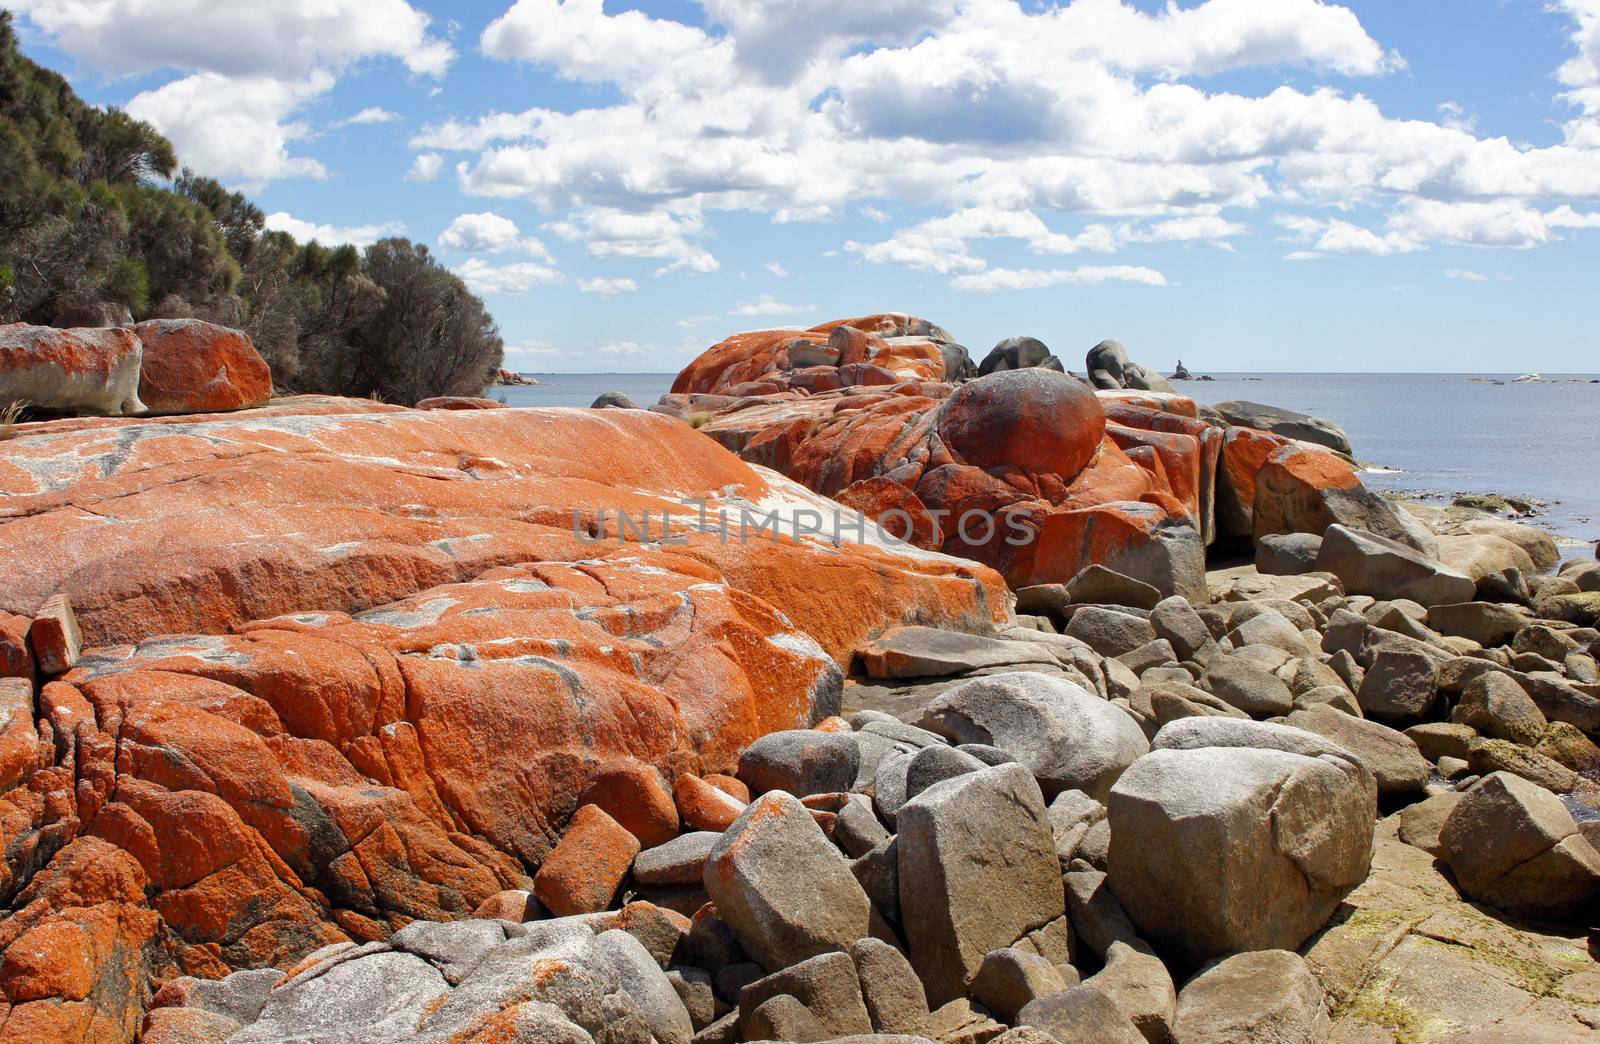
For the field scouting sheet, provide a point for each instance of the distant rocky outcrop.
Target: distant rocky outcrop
(614, 400)
(510, 379)
(1019, 353)
(1110, 368)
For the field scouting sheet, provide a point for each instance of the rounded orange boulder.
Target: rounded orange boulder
(1037, 420)
(583, 872)
(634, 794)
(192, 366)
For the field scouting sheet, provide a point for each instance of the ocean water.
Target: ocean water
(1431, 435)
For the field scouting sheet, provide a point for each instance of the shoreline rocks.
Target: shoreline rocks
(339, 721)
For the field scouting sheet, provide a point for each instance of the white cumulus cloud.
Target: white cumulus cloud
(766, 304)
(607, 285)
(484, 277)
(332, 235)
(488, 233)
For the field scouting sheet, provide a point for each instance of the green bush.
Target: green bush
(94, 212)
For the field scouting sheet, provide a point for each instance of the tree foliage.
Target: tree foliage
(99, 225)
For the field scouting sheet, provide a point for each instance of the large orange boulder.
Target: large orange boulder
(1037, 419)
(1302, 489)
(192, 366)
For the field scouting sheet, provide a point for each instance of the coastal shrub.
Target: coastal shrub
(98, 224)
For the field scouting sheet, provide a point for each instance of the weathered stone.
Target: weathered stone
(1271, 841)
(958, 1022)
(1175, 620)
(890, 989)
(857, 829)
(783, 886)
(1267, 995)
(1422, 823)
(680, 861)
(1494, 755)
(1248, 688)
(1513, 845)
(1392, 757)
(1140, 986)
(1486, 623)
(1072, 813)
(1067, 737)
(932, 765)
(1009, 979)
(782, 1018)
(641, 978)
(916, 652)
(978, 870)
(878, 872)
(1149, 656)
(1270, 629)
(826, 984)
(454, 947)
(1109, 632)
(1495, 705)
(1287, 554)
(1097, 585)
(1081, 1013)
(1442, 739)
(1399, 686)
(1370, 564)
(338, 1005)
(801, 761)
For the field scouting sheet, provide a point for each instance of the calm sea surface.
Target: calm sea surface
(1433, 435)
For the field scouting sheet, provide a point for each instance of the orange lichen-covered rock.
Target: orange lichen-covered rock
(192, 366)
(1029, 471)
(634, 794)
(1300, 489)
(159, 528)
(71, 371)
(513, 904)
(872, 349)
(55, 636)
(705, 807)
(348, 668)
(733, 786)
(1244, 454)
(16, 659)
(584, 871)
(1036, 420)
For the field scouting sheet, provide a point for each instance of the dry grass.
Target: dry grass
(697, 418)
(9, 418)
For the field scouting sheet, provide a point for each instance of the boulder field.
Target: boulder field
(327, 720)
(1026, 469)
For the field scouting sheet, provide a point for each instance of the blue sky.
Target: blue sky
(1245, 184)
